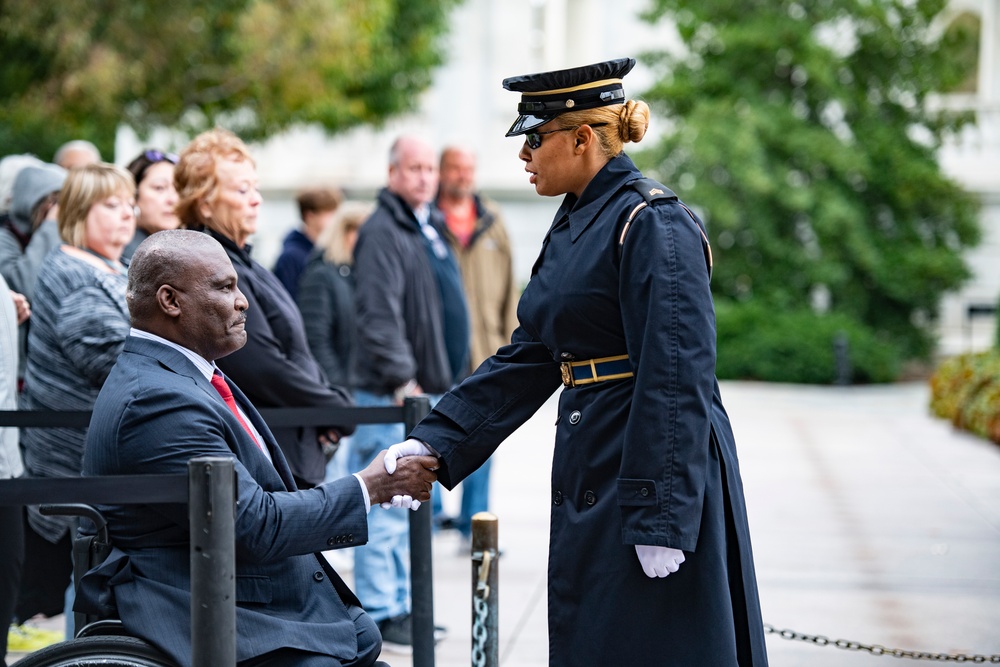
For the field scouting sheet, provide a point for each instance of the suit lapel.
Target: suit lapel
(277, 458)
(249, 455)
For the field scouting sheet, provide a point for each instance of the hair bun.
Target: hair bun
(633, 120)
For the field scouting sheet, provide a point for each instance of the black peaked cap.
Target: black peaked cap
(547, 94)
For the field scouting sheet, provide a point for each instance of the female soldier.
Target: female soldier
(645, 481)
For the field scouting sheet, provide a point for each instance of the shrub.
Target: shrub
(966, 390)
(797, 346)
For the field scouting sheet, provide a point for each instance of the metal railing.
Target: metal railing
(209, 487)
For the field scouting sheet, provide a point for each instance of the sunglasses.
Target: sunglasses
(159, 156)
(534, 139)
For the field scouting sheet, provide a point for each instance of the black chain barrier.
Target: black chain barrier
(876, 649)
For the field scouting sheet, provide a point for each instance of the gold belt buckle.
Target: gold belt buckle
(567, 374)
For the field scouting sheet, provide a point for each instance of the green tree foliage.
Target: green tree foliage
(79, 69)
(801, 130)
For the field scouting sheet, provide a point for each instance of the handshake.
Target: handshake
(401, 476)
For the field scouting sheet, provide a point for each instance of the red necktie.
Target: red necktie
(220, 385)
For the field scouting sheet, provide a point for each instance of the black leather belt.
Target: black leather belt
(576, 373)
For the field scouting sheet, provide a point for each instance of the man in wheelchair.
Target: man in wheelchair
(164, 403)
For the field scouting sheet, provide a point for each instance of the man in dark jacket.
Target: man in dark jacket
(413, 337)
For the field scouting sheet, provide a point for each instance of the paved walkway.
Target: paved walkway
(871, 521)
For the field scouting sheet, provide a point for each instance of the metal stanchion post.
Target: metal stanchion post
(421, 572)
(485, 591)
(212, 513)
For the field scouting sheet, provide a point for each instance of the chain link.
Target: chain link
(480, 630)
(876, 649)
(480, 633)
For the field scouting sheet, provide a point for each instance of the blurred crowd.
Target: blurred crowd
(368, 302)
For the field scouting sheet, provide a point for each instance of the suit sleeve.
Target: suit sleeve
(669, 324)
(469, 422)
(161, 429)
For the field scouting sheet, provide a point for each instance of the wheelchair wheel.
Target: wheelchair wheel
(107, 651)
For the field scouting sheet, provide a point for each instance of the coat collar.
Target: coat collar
(403, 214)
(233, 250)
(583, 211)
(167, 356)
(170, 359)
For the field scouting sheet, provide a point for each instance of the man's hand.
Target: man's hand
(658, 561)
(409, 447)
(408, 486)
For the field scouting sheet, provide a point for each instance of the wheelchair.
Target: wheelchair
(98, 642)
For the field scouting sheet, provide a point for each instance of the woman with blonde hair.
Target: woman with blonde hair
(79, 321)
(216, 179)
(649, 554)
(326, 294)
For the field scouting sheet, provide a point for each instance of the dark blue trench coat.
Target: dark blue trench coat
(643, 460)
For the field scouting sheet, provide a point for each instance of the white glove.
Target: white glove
(658, 561)
(409, 447)
(404, 502)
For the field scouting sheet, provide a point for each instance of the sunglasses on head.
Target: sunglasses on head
(159, 156)
(534, 139)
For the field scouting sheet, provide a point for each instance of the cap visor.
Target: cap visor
(527, 124)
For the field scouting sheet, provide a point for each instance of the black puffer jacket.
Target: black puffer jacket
(400, 328)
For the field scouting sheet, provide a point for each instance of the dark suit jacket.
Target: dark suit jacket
(155, 412)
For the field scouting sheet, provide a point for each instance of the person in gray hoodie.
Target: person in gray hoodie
(30, 231)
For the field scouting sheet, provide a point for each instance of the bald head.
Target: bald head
(182, 287)
(165, 258)
(413, 171)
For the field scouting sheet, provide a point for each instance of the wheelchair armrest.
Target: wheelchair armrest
(81, 510)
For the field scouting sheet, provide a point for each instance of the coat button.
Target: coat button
(574, 417)
(317, 575)
(567, 356)
(330, 542)
(590, 498)
(350, 537)
(643, 492)
(557, 498)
